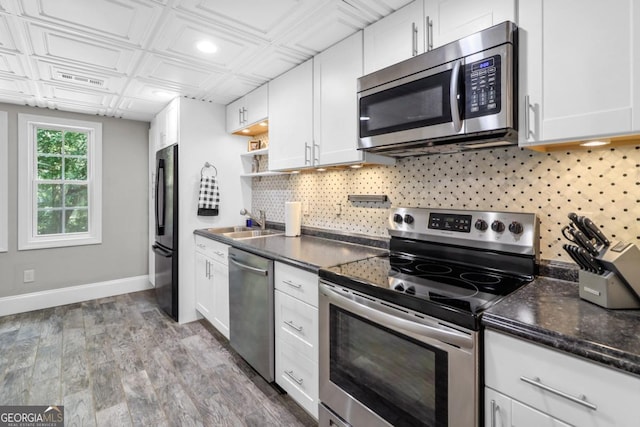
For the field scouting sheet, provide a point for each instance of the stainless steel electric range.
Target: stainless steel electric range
(399, 334)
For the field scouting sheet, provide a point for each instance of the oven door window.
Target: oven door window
(402, 380)
(420, 103)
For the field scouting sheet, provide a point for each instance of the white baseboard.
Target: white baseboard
(73, 294)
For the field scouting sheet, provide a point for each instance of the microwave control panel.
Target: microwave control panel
(483, 88)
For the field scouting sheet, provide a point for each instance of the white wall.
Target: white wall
(203, 138)
(122, 255)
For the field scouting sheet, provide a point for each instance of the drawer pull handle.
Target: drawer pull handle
(293, 325)
(293, 285)
(580, 400)
(293, 377)
(201, 246)
(219, 253)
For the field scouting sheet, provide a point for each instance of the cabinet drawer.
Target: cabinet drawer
(298, 376)
(522, 370)
(297, 324)
(213, 249)
(297, 283)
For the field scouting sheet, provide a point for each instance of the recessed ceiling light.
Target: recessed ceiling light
(595, 143)
(206, 46)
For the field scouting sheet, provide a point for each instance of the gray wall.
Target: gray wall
(123, 252)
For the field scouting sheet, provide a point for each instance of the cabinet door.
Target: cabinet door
(220, 278)
(290, 118)
(450, 20)
(335, 74)
(172, 122)
(394, 38)
(576, 73)
(234, 115)
(256, 105)
(524, 416)
(497, 409)
(204, 286)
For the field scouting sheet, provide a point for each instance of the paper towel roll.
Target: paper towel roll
(292, 218)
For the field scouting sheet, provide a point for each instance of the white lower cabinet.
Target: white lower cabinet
(502, 411)
(212, 283)
(296, 324)
(531, 385)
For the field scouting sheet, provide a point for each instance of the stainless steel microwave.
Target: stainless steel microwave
(460, 96)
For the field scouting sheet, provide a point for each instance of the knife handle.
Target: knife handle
(593, 263)
(574, 255)
(576, 220)
(599, 236)
(583, 241)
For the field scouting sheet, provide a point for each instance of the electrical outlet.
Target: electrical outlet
(305, 207)
(29, 276)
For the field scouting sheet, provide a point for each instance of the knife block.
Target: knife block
(623, 258)
(607, 290)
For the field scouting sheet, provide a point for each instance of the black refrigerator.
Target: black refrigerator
(165, 246)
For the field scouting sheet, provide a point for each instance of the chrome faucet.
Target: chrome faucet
(262, 222)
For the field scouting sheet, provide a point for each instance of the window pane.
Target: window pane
(76, 195)
(49, 196)
(49, 141)
(75, 143)
(75, 168)
(49, 222)
(76, 220)
(49, 167)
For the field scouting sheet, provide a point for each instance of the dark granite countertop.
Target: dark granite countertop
(550, 312)
(307, 252)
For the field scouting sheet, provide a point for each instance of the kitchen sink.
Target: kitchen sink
(248, 234)
(241, 232)
(223, 230)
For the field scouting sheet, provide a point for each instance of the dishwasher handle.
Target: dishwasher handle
(248, 267)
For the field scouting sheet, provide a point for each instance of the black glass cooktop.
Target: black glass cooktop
(452, 292)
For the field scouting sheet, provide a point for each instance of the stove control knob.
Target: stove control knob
(399, 287)
(411, 290)
(497, 226)
(481, 225)
(408, 219)
(397, 218)
(516, 228)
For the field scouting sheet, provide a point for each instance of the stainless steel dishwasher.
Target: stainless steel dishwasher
(251, 312)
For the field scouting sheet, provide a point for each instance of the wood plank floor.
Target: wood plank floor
(120, 361)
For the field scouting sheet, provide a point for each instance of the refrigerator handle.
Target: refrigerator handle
(161, 251)
(160, 198)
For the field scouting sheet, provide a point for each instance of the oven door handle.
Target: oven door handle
(398, 323)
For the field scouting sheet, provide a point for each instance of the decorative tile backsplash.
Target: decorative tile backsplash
(603, 184)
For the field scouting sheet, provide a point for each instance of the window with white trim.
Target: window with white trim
(60, 189)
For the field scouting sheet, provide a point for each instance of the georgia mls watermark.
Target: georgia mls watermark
(32, 416)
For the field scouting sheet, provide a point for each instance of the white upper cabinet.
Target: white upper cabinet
(291, 118)
(335, 104)
(450, 20)
(394, 38)
(166, 122)
(578, 71)
(426, 24)
(248, 110)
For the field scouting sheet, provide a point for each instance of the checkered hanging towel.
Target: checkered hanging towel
(209, 196)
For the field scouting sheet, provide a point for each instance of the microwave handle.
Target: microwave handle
(453, 97)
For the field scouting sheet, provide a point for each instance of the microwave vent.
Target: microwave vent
(78, 79)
